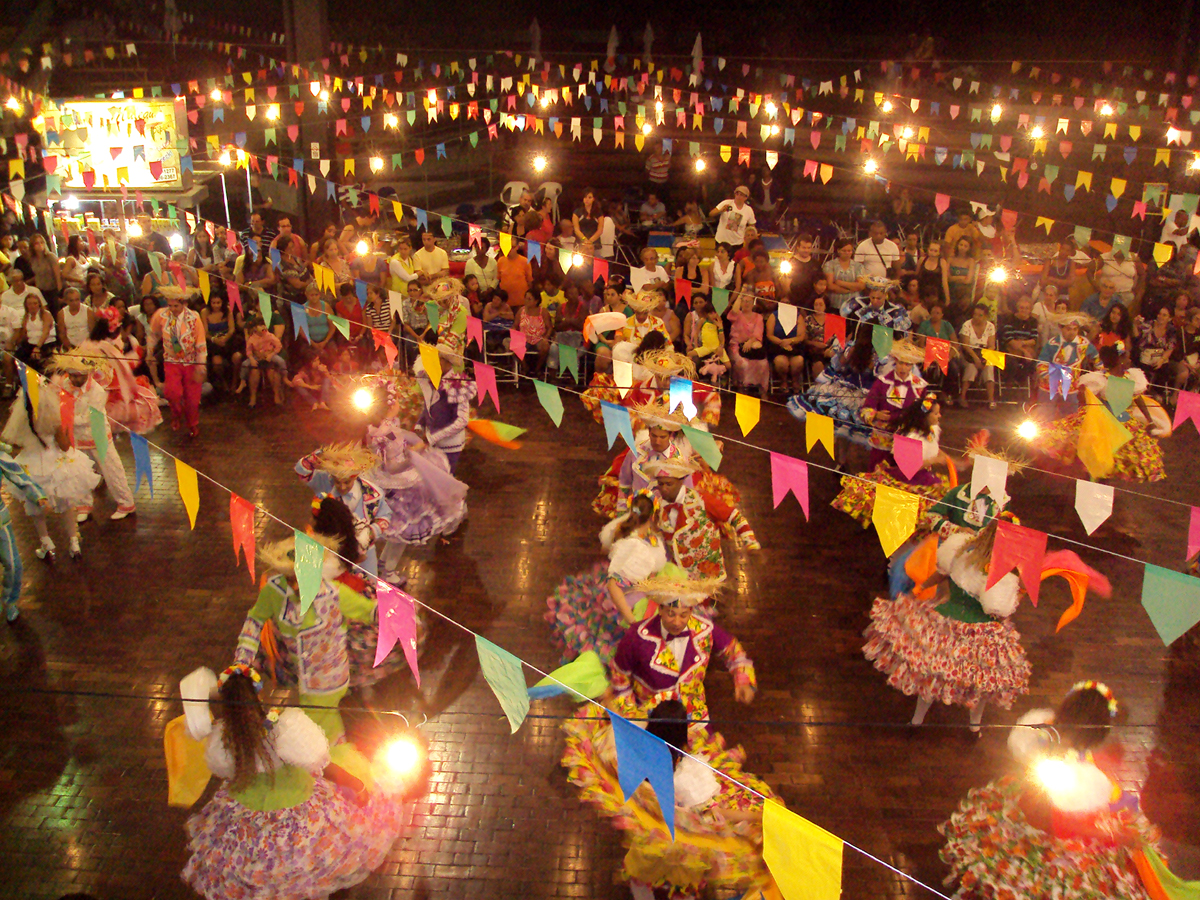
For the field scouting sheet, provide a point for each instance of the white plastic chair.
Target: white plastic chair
(504, 361)
(551, 191)
(510, 195)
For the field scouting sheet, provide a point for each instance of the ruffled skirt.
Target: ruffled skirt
(584, 616)
(925, 654)
(857, 497)
(995, 854)
(325, 844)
(1139, 459)
(67, 477)
(416, 519)
(141, 414)
(840, 400)
(706, 852)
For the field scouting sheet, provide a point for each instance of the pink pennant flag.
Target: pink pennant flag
(1022, 547)
(474, 234)
(397, 622)
(516, 342)
(600, 270)
(66, 410)
(230, 239)
(909, 454)
(235, 297)
(789, 474)
(177, 271)
(1009, 218)
(1194, 533)
(941, 202)
(241, 517)
(475, 330)
(1187, 406)
(485, 384)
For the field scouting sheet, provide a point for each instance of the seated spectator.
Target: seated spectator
(312, 384)
(1017, 335)
(35, 339)
(910, 299)
(1060, 269)
(472, 294)
(568, 323)
(1187, 353)
(1156, 343)
(876, 308)
(118, 282)
(704, 340)
(370, 266)
(95, 295)
(379, 313)
(1115, 326)
(804, 270)
(565, 236)
(432, 262)
(225, 342)
(286, 238)
(744, 257)
(497, 319)
(746, 349)
(688, 268)
(401, 265)
(348, 307)
(316, 311)
(692, 221)
(977, 334)
(723, 271)
(1098, 304)
(669, 319)
(847, 278)
(414, 319)
(938, 326)
(760, 279)
(785, 347)
(74, 320)
(18, 290)
(254, 271)
(485, 269)
(552, 297)
(263, 351)
(534, 322)
(819, 347)
(613, 301)
(652, 211)
(649, 276)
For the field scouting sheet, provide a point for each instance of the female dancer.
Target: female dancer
(132, 402)
(279, 827)
(1067, 830)
(591, 611)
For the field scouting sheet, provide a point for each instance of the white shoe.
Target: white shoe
(46, 550)
(82, 517)
(73, 548)
(122, 514)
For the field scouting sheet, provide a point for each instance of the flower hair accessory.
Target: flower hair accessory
(244, 670)
(1008, 516)
(655, 501)
(1100, 688)
(927, 401)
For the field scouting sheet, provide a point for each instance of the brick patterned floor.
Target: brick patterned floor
(82, 778)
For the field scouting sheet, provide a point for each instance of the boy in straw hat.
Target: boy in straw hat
(447, 409)
(336, 470)
(666, 656)
(643, 321)
(1069, 350)
(75, 375)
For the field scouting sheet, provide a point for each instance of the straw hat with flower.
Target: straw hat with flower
(675, 467)
(906, 351)
(666, 363)
(978, 445)
(655, 414)
(643, 301)
(443, 289)
(1083, 320)
(280, 556)
(81, 360)
(346, 460)
(673, 585)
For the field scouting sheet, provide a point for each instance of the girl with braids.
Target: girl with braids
(278, 826)
(1066, 829)
(592, 610)
(43, 448)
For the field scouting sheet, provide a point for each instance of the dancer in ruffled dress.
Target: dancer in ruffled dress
(10, 553)
(453, 311)
(1067, 830)
(279, 827)
(337, 470)
(592, 610)
(132, 401)
(841, 388)
(65, 476)
(447, 409)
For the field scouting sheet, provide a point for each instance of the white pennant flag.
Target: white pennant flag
(992, 474)
(772, 158)
(623, 375)
(787, 316)
(325, 167)
(1093, 503)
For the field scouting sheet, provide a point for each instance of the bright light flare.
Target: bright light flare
(1172, 135)
(362, 248)
(71, 202)
(216, 94)
(997, 112)
(546, 98)
(1037, 132)
(774, 129)
(176, 242)
(647, 128)
(771, 109)
(225, 159)
(907, 133)
(998, 275)
(1028, 430)
(324, 95)
(701, 165)
(1106, 109)
(13, 104)
(539, 163)
(376, 163)
(404, 756)
(273, 112)
(870, 167)
(785, 268)
(390, 120)
(362, 399)
(1055, 775)
(577, 259)
(887, 106)
(133, 229)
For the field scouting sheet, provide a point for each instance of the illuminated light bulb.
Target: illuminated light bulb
(1194, 163)
(432, 97)
(785, 268)
(907, 133)
(999, 275)
(314, 88)
(774, 129)
(1106, 110)
(176, 242)
(546, 98)
(71, 202)
(887, 106)
(997, 112)
(646, 128)
(539, 163)
(133, 229)
(870, 167)
(362, 248)
(701, 165)
(577, 259)
(658, 106)
(273, 112)
(771, 109)
(225, 159)
(404, 756)
(324, 95)
(1037, 132)
(376, 163)
(1055, 775)
(362, 399)
(1172, 135)
(390, 120)
(216, 94)
(1028, 430)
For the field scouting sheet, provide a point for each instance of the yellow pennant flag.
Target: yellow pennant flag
(994, 358)
(1084, 180)
(189, 490)
(505, 243)
(399, 210)
(726, 152)
(202, 277)
(805, 859)
(348, 166)
(1162, 155)
(894, 516)
(1135, 132)
(1162, 253)
(819, 428)
(638, 140)
(746, 411)
(1043, 222)
(826, 174)
(1118, 187)
(432, 363)
(1110, 130)
(16, 168)
(34, 382)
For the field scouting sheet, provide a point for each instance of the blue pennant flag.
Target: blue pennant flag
(141, 462)
(300, 321)
(643, 757)
(616, 422)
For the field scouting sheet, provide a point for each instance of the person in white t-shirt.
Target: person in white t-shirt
(877, 253)
(18, 288)
(1123, 271)
(1176, 231)
(735, 215)
(431, 260)
(650, 275)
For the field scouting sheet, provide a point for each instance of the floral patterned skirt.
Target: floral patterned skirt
(1140, 459)
(584, 616)
(707, 853)
(925, 654)
(857, 497)
(325, 844)
(995, 854)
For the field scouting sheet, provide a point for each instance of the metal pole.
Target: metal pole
(225, 194)
(249, 195)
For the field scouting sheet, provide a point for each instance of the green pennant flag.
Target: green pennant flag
(447, 226)
(474, 138)
(568, 358)
(342, 325)
(1172, 600)
(702, 442)
(502, 671)
(309, 557)
(434, 313)
(1118, 394)
(720, 299)
(264, 307)
(882, 339)
(99, 432)
(551, 401)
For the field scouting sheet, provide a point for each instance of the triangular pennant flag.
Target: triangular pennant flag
(397, 623)
(568, 358)
(189, 489)
(309, 558)
(485, 384)
(1187, 406)
(988, 472)
(241, 521)
(1172, 600)
(894, 516)
(432, 363)
(1093, 503)
(1024, 548)
(679, 395)
(616, 422)
(1118, 394)
(516, 343)
(818, 428)
(99, 432)
(551, 400)
(789, 474)
(141, 462)
(746, 410)
(909, 454)
(805, 859)
(881, 340)
(704, 444)
(642, 756)
(1193, 532)
(502, 671)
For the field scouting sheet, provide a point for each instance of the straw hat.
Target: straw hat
(643, 301)
(878, 283)
(667, 362)
(977, 445)
(443, 289)
(175, 292)
(655, 415)
(1083, 320)
(676, 467)
(79, 360)
(672, 584)
(346, 460)
(280, 556)
(906, 351)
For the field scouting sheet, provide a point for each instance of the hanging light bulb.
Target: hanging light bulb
(539, 163)
(886, 106)
(1172, 135)
(362, 248)
(390, 120)
(133, 230)
(658, 106)
(1028, 430)
(71, 202)
(701, 165)
(1194, 164)
(771, 109)
(403, 755)
(1106, 109)
(998, 275)
(907, 133)
(774, 129)
(13, 104)
(273, 112)
(1037, 132)
(870, 167)
(216, 94)
(176, 242)
(646, 128)
(225, 159)
(547, 97)
(432, 96)
(323, 96)
(785, 267)
(376, 163)
(997, 112)
(577, 259)
(362, 399)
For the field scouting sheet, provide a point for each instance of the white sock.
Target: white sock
(922, 708)
(977, 714)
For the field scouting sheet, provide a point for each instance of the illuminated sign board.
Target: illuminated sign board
(107, 144)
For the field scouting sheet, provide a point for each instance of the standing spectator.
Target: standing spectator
(746, 349)
(402, 266)
(910, 255)
(75, 263)
(1126, 274)
(652, 211)
(877, 254)
(185, 353)
(47, 272)
(847, 278)
(75, 321)
(650, 276)
(960, 277)
(484, 268)
(286, 237)
(1018, 336)
(658, 167)
(155, 241)
(965, 228)
(258, 232)
(201, 255)
(934, 272)
(766, 197)
(96, 297)
(414, 318)
(735, 215)
(804, 270)
(1060, 269)
(515, 274)
(431, 260)
(977, 333)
